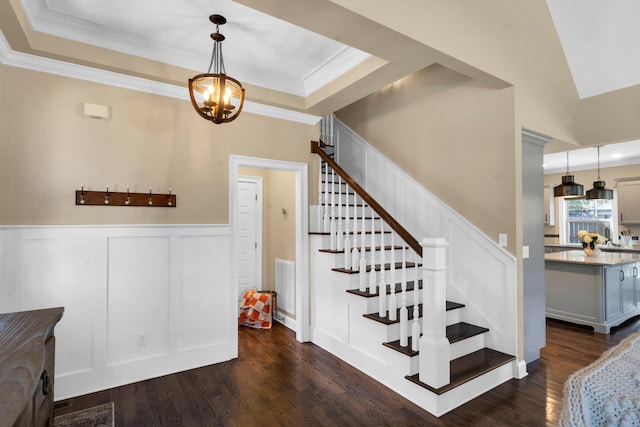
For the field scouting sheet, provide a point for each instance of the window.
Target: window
(592, 215)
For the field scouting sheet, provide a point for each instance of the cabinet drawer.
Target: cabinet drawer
(43, 396)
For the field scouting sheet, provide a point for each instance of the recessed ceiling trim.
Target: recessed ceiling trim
(48, 21)
(340, 63)
(52, 66)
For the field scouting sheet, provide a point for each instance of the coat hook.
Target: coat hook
(149, 198)
(128, 201)
(169, 198)
(106, 196)
(82, 194)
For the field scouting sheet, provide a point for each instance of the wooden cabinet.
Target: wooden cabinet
(629, 202)
(549, 206)
(621, 290)
(27, 367)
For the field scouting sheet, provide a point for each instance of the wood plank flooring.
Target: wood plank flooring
(277, 381)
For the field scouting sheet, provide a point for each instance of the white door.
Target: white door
(249, 232)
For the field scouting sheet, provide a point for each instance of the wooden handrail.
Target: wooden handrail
(316, 147)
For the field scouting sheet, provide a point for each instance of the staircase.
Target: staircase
(381, 306)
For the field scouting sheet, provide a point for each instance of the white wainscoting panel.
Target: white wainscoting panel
(57, 271)
(137, 298)
(204, 293)
(170, 284)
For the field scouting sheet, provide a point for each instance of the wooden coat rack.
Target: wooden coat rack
(114, 198)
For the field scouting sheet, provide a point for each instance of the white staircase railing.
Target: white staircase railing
(433, 344)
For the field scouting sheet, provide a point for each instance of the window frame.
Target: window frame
(564, 221)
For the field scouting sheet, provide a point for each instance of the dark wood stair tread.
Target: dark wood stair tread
(367, 249)
(450, 305)
(456, 332)
(467, 368)
(322, 233)
(387, 266)
(367, 294)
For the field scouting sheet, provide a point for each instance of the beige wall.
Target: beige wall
(47, 150)
(453, 135)
(278, 229)
(586, 178)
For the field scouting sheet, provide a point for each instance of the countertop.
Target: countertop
(604, 259)
(605, 248)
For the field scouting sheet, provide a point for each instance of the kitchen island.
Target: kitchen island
(601, 292)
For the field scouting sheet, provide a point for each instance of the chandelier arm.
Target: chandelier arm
(213, 58)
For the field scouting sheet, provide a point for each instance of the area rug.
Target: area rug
(97, 416)
(607, 392)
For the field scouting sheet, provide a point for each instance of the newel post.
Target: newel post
(434, 345)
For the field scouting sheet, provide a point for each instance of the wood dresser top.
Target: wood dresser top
(22, 339)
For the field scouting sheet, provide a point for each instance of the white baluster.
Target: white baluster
(320, 195)
(382, 287)
(415, 327)
(416, 289)
(332, 225)
(331, 128)
(355, 254)
(325, 217)
(340, 232)
(392, 282)
(347, 238)
(362, 269)
(404, 314)
(372, 274)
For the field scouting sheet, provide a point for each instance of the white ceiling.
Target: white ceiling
(600, 42)
(259, 49)
(620, 154)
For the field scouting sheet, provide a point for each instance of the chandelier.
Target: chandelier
(569, 189)
(599, 190)
(216, 96)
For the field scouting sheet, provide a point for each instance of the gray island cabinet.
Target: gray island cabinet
(600, 292)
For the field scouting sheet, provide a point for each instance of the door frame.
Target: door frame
(301, 172)
(259, 211)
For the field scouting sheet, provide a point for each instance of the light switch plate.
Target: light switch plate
(525, 252)
(502, 239)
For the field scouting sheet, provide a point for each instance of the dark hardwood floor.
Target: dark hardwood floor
(277, 381)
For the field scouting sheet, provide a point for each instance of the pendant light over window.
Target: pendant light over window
(213, 94)
(568, 189)
(599, 191)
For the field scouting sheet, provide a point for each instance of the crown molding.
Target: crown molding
(337, 65)
(53, 66)
(533, 137)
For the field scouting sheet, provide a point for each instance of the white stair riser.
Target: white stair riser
(326, 241)
(338, 261)
(358, 223)
(467, 346)
(410, 365)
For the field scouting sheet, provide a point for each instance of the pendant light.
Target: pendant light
(212, 93)
(599, 191)
(568, 189)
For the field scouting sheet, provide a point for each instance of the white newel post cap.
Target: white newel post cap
(434, 252)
